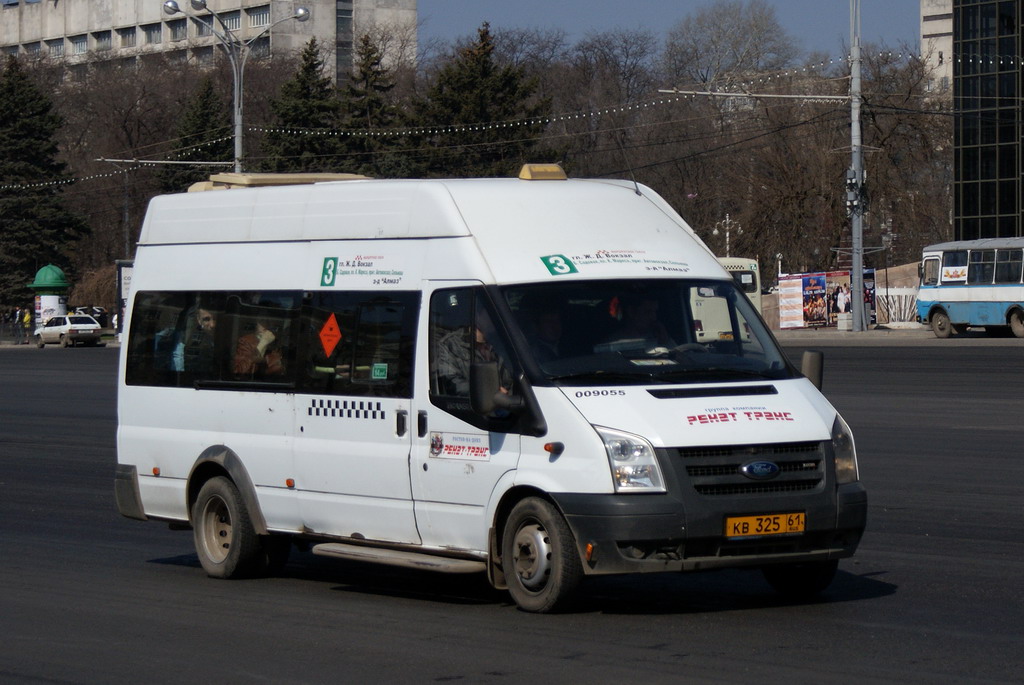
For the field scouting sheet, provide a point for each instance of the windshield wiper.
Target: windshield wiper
(719, 371)
(606, 376)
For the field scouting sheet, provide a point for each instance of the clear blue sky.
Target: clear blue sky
(819, 25)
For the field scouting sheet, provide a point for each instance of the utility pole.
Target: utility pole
(855, 176)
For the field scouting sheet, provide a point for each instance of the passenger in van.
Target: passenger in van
(640, 322)
(257, 353)
(455, 355)
(546, 324)
(195, 353)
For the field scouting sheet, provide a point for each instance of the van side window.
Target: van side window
(463, 332)
(359, 343)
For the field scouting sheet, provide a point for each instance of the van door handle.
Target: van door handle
(401, 422)
(421, 424)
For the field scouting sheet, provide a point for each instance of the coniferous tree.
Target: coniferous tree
(306, 119)
(203, 134)
(367, 113)
(35, 227)
(475, 96)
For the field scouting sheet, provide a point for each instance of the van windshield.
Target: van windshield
(642, 331)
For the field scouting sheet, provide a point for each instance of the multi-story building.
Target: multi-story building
(78, 32)
(937, 43)
(988, 156)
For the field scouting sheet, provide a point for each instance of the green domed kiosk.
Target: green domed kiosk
(51, 288)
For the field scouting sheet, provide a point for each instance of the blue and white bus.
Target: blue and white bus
(972, 283)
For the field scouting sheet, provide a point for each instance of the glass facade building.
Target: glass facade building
(987, 71)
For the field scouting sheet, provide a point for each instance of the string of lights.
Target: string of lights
(736, 89)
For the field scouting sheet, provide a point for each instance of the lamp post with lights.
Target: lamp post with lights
(237, 51)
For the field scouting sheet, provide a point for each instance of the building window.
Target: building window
(178, 28)
(203, 56)
(232, 20)
(259, 17)
(202, 26)
(102, 41)
(261, 47)
(55, 47)
(126, 37)
(153, 33)
(79, 45)
(32, 49)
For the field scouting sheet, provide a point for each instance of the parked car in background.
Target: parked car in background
(69, 330)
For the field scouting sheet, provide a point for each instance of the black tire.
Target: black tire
(39, 342)
(941, 325)
(226, 542)
(1017, 323)
(539, 557)
(801, 581)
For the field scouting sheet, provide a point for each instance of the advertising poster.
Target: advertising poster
(791, 312)
(840, 301)
(815, 307)
(814, 300)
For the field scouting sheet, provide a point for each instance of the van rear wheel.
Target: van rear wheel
(539, 556)
(226, 542)
(801, 581)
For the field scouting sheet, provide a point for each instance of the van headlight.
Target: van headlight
(845, 452)
(632, 461)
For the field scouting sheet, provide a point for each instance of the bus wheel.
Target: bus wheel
(941, 325)
(226, 542)
(801, 581)
(1017, 323)
(539, 557)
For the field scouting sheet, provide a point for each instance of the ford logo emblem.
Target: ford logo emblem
(760, 470)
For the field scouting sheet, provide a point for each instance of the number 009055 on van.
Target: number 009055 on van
(511, 377)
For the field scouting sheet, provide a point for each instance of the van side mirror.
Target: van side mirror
(812, 366)
(485, 392)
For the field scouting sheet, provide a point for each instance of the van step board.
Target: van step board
(396, 557)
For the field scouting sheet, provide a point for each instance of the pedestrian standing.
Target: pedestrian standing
(16, 326)
(26, 320)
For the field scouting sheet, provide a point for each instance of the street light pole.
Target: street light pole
(238, 53)
(727, 224)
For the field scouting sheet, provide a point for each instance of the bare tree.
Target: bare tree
(725, 41)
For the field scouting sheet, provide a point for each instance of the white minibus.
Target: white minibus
(497, 376)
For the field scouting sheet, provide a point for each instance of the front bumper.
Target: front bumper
(651, 533)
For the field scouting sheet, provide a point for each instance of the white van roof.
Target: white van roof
(508, 218)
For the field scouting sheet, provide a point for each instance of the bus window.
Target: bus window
(982, 267)
(930, 273)
(1008, 266)
(954, 267)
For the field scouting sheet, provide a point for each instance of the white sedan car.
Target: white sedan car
(69, 330)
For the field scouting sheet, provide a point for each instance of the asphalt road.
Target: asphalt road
(933, 595)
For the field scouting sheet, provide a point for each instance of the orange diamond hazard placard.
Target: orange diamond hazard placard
(330, 335)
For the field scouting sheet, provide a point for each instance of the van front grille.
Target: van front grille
(717, 471)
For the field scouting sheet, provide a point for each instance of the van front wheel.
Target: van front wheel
(539, 557)
(226, 542)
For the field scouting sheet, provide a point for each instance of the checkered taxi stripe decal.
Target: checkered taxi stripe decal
(346, 409)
